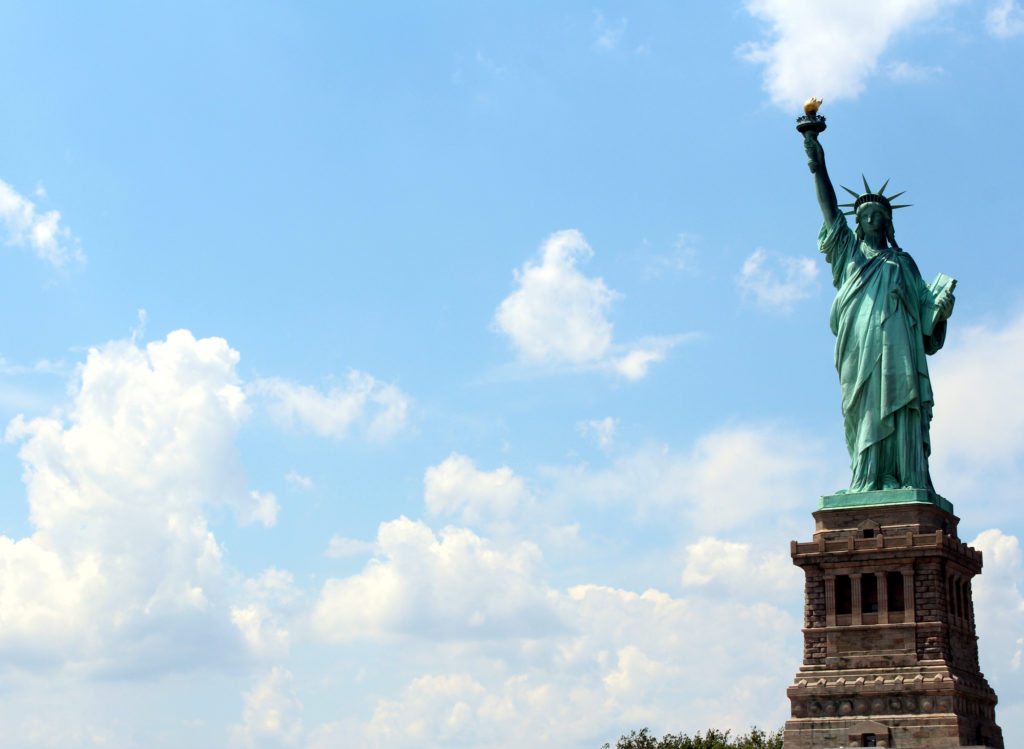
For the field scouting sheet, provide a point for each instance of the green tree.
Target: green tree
(712, 739)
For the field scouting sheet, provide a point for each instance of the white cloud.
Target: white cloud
(261, 508)
(681, 257)
(626, 660)
(122, 573)
(633, 365)
(43, 366)
(456, 585)
(340, 547)
(296, 479)
(269, 600)
(978, 429)
(999, 613)
(1005, 18)
(827, 49)
(557, 315)
(272, 715)
(608, 35)
(26, 226)
(735, 568)
(602, 430)
(905, 72)
(457, 487)
(379, 407)
(778, 281)
(733, 476)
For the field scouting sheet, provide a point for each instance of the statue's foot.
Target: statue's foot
(890, 482)
(841, 491)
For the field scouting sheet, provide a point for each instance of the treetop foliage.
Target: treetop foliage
(712, 739)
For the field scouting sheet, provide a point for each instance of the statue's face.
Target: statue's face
(873, 219)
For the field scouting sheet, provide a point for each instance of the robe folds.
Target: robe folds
(879, 316)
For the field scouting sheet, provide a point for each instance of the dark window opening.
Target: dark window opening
(894, 585)
(952, 597)
(869, 594)
(869, 740)
(869, 533)
(960, 599)
(844, 595)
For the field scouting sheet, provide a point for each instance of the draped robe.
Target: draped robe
(881, 308)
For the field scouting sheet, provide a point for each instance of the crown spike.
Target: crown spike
(903, 205)
(866, 188)
(881, 190)
(893, 197)
(854, 194)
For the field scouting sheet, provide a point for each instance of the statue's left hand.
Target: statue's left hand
(945, 304)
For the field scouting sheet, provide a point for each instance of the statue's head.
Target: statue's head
(873, 211)
(874, 223)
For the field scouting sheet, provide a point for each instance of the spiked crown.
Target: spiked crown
(870, 196)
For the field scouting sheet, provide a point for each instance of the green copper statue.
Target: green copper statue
(885, 319)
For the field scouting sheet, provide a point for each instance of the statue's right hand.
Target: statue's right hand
(815, 153)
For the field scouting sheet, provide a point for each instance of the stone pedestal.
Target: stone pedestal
(890, 650)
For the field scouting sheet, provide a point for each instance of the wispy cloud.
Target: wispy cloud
(778, 281)
(41, 231)
(608, 34)
(601, 430)
(1005, 19)
(905, 72)
(380, 407)
(681, 257)
(340, 547)
(43, 366)
(296, 479)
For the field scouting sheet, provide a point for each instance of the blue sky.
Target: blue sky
(446, 376)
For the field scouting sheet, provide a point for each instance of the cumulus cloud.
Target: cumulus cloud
(627, 659)
(778, 281)
(452, 585)
(557, 313)
(270, 600)
(458, 488)
(272, 715)
(557, 316)
(999, 612)
(1005, 18)
(378, 407)
(122, 573)
(736, 568)
(827, 49)
(40, 231)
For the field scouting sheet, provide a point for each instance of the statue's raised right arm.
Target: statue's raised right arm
(823, 185)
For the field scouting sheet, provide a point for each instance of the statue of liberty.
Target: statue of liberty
(886, 319)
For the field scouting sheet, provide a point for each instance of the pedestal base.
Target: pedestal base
(890, 652)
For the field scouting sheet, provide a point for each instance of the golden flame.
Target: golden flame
(811, 106)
